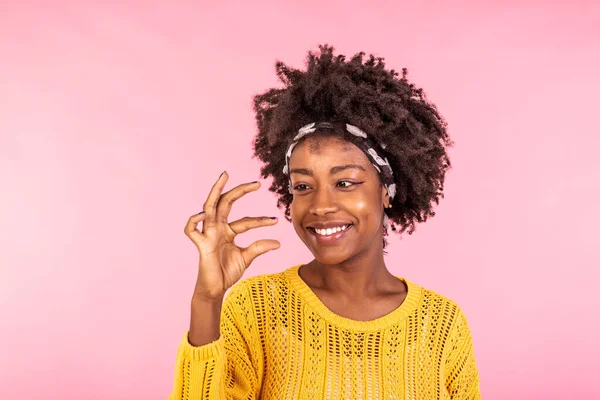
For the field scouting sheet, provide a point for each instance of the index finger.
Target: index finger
(227, 199)
(210, 205)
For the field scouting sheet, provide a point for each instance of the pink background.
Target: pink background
(115, 121)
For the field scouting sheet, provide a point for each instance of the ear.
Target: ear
(385, 197)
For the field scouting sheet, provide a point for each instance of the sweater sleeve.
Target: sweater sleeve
(227, 368)
(462, 376)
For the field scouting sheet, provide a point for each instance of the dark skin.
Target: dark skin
(334, 181)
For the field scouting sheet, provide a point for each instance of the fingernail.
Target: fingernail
(254, 182)
(272, 217)
(201, 212)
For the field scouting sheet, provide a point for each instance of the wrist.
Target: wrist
(207, 298)
(208, 294)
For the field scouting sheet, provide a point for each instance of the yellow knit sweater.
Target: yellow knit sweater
(279, 341)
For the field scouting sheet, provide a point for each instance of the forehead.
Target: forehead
(326, 150)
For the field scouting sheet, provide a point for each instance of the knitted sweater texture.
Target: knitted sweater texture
(280, 342)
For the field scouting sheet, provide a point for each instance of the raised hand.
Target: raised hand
(222, 263)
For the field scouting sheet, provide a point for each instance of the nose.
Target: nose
(323, 202)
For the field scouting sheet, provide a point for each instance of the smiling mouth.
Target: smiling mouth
(330, 231)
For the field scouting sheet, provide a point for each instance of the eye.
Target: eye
(347, 184)
(301, 187)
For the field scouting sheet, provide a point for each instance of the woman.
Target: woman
(353, 151)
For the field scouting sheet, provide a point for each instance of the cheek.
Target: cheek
(361, 206)
(365, 208)
(296, 212)
(293, 209)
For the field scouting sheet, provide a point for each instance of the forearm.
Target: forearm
(204, 365)
(205, 320)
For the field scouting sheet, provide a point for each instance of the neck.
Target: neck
(360, 276)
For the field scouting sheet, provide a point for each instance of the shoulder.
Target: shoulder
(259, 286)
(262, 280)
(438, 307)
(444, 316)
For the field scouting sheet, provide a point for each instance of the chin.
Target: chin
(331, 256)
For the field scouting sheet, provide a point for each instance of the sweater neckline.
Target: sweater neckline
(394, 317)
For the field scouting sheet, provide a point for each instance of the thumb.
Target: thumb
(257, 248)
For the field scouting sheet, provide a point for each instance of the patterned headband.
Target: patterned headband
(366, 144)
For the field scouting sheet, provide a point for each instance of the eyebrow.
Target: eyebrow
(334, 170)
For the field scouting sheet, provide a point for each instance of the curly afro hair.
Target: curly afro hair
(365, 94)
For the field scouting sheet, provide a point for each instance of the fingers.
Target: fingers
(210, 205)
(191, 227)
(227, 199)
(247, 223)
(257, 248)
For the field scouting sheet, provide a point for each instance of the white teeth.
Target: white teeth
(330, 231)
